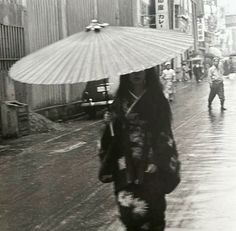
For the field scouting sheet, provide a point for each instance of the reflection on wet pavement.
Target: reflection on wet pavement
(205, 199)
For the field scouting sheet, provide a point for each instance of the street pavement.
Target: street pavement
(48, 182)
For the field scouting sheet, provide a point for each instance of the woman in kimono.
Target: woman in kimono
(141, 157)
(168, 78)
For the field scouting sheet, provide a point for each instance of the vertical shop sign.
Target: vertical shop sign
(200, 30)
(162, 17)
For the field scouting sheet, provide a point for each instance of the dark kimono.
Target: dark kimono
(141, 138)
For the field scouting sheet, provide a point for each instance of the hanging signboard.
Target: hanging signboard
(200, 30)
(230, 20)
(162, 15)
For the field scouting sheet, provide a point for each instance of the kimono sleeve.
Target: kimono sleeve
(166, 150)
(106, 157)
(167, 159)
(104, 143)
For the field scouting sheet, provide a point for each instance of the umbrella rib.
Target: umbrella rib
(65, 71)
(130, 45)
(164, 41)
(64, 63)
(53, 71)
(114, 62)
(136, 54)
(33, 71)
(39, 61)
(51, 49)
(162, 48)
(91, 61)
(160, 33)
(166, 38)
(117, 47)
(79, 63)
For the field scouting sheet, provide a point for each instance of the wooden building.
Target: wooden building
(52, 20)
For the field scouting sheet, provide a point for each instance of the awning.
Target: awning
(92, 55)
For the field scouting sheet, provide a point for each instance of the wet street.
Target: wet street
(48, 182)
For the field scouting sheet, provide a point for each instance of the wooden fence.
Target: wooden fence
(12, 45)
(51, 20)
(12, 48)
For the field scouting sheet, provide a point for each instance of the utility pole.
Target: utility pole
(63, 30)
(95, 9)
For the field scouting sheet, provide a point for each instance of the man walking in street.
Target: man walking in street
(215, 77)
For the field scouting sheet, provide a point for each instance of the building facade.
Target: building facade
(52, 20)
(179, 15)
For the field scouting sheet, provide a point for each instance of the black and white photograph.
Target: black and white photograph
(117, 115)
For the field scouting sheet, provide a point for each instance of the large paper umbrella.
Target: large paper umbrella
(197, 58)
(101, 53)
(215, 52)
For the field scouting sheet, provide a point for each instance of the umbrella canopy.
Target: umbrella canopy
(197, 58)
(215, 52)
(91, 55)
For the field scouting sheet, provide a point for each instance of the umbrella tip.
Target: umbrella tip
(95, 26)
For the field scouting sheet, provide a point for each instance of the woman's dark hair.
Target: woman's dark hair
(154, 94)
(152, 83)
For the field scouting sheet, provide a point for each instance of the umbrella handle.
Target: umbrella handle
(108, 107)
(106, 93)
(111, 129)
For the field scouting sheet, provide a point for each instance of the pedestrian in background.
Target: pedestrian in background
(168, 77)
(141, 158)
(190, 73)
(186, 70)
(231, 67)
(226, 68)
(197, 71)
(215, 77)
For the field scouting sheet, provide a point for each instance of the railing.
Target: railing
(12, 45)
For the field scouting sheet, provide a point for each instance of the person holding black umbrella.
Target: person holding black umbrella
(141, 157)
(197, 71)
